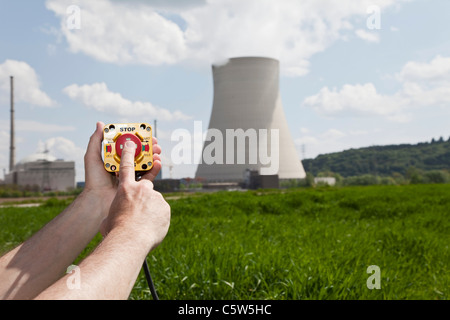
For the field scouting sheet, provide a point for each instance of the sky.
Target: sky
(353, 73)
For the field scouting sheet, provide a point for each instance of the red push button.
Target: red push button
(120, 143)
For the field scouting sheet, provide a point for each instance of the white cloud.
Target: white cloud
(304, 130)
(310, 145)
(100, 98)
(4, 147)
(34, 126)
(371, 36)
(306, 139)
(146, 33)
(329, 136)
(63, 148)
(436, 71)
(355, 100)
(26, 84)
(333, 134)
(423, 85)
(120, 33)
(174, 5)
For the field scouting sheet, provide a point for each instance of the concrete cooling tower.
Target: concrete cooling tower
(247, 118)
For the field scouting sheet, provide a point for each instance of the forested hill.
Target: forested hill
(383, 160)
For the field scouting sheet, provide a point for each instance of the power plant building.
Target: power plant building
(43, 171)
(39, 171)
(248, 115)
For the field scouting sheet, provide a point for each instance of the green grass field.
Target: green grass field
(290, 244)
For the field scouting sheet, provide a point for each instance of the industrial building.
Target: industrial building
(43, 172)
(40, 171)
(247, 107)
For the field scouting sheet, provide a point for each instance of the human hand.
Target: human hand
(137, 209)
(101, 183)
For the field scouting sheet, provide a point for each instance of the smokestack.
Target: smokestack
(12, 155)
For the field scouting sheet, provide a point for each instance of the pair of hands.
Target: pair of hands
(129, 205)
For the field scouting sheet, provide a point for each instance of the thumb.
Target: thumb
(127, 162)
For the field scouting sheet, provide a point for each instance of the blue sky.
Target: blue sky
(343, 85)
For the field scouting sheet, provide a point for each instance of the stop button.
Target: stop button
(120, 143)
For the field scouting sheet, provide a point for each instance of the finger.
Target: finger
(127, 162)
(154, 140)
(156, 148)
(156, 157)
(151, 175)
(94, 148)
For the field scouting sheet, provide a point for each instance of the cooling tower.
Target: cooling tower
(248, 113)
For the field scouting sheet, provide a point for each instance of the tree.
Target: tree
(309, 179)
(414, 175)
(435, 176)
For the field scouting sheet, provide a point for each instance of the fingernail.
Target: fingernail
(130, 144)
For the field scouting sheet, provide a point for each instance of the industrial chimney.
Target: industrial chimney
(247, 101)
(12, 150)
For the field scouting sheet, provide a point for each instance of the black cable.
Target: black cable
(149, 280)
